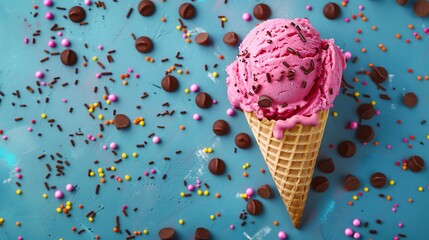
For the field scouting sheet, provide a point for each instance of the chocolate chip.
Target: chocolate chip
(264, 191)
(77, 14)
(402, 2)
(144, 44)
(220, 127)
(265, 101)
(346, 149)
(320, 184)
(203, 100)
(378, 180)
(379, 74)
(366, 111)
(421, 8)
(254, 207)
(410, 99)
(68, 57)
(326, 165)
(169, 83)
(202, 234)
(217, 166)
(166, 233)
(121, 121)
(365, 133)
(187, 11)
(331, 10)
(146, 8)
(243, 140)
(202, 39)
(231, 39)
(351, 183)
(415, 163)
(262, 11)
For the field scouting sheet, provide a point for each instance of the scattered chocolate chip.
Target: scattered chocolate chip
(264, 191)
(169, 83)
(202, 39)
(202, 234)
(402, 2)
(262, 11)
(220, 127)
(410, 99)
(146, 8)
(144, 44)
(217, 166)
(187, 11)
(378, 180)
(231, 39)
(166, 233)
(421, 8)
(346, 149)
(203, 100)
(77, 14)
(366, 111)
(320, 184)
(351, 183)
(121, 121)
(415, 163)
(254, 207)
(68, 57)
(265, 101)
(331, 10)
(326, 165)
(243, 140)
(379, 74)
(365, 133)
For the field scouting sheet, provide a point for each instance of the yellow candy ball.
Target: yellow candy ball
(59, 210)
(182, 194)
(18, 192)
(215, 74)
(206, 192)
(92, 174)
(181, 222)
(135, 154)
(186, 90)
(141, 123)
(113, 168)
(200, 192)
(127, 177)
(100, 116)
(45, 195)
(124, 155)
(145, 231)
(179, 71)
(90, 219)
(95, 58)
(100, 170)
(43, 115)
(212, 217)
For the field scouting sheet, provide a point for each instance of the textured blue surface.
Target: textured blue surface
(158, 201)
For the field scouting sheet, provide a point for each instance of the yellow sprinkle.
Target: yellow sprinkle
(244, 167)
(188, 34)
(1, 220)
(200, 192)
(215, 74)
(95, 58)
(179, 71)
(90, 109)
(100, 116)
(178, 27)
(223, 19)
(95, 104)
(43, 115)
(247, 164)
(100, 170)
(145, 231)
(182, 194)
(59, 210)
(90, 219)
(355, 197)
(18, 192)
(392, 182)
(92, 174)
(141, 123)
(334, 114)
(127, 177)
(356, 94)
(107, 101)
(205, 150)
(181, 222)
(206, 192)
(113, 168)
(365, 189)
(373, 103)
(420, 189)
(427, 137)
(244, 195)
(68, 207)
(101, 174)
(45, 195)
(135, 154)
(209, 150)
(68, 203)
(186, 90)
(212, 217)
(124, 155)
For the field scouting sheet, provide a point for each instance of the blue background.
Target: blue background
(158, 201)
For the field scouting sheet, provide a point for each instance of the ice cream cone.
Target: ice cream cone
(291, 160)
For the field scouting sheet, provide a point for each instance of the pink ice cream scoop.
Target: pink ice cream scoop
(285, 72)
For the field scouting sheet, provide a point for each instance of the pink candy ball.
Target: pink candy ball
(98, 75)
(26, 40)
(100, 47)
(156, 140)
(104, 147)
(191, 187)
(153, 171)
(130, 70)
(353, 125)
(112, 97)
(39, 74)
(356, 235)
(146, 173)
(48, 3)
(65, 42)
(20, 238)
(4, 137)
(194, 88)
(19, 176)
(246, 16)
(196, 116)
(87, 2)
(249, 191)
(52, 43)
(282, 235)
(59, 194)
(17, 169)
(49, 16)
(347, 55)
(136, 75)
(60, 34)
(69, 187)
(230, 112)
(113, 145)
(231, 226)
(400, 225)
(356, 222)
(308, 7)
(348, 232)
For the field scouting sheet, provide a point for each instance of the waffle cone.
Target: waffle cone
(290, 160)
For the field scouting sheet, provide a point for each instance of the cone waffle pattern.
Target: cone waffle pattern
(290, 160)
